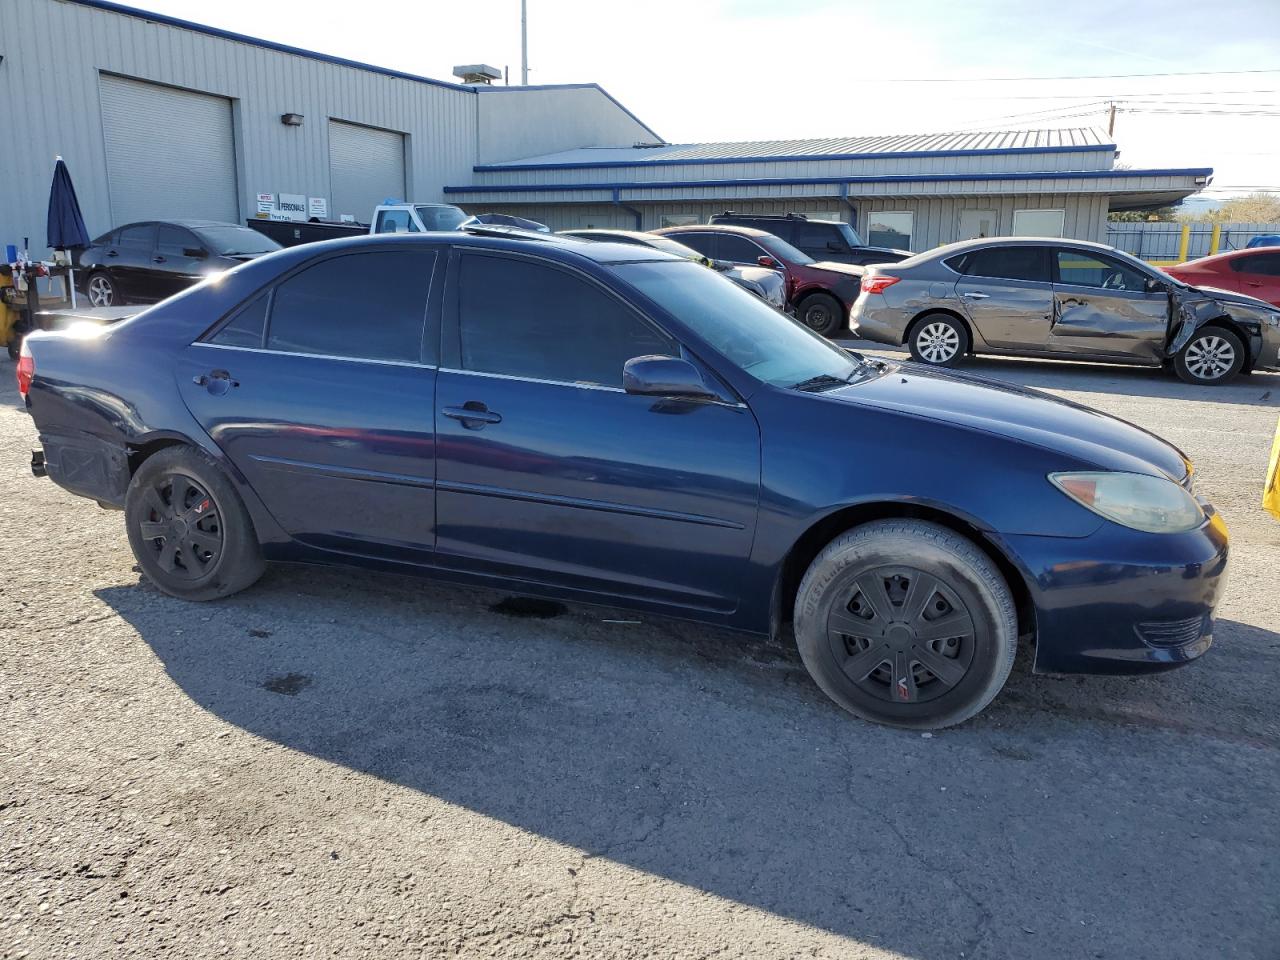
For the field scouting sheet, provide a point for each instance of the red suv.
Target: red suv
(820, 292)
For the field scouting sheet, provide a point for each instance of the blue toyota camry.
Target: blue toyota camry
(607, 423)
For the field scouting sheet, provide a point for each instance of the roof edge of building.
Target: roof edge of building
(534, 164)
(802, 181)
(567, 86)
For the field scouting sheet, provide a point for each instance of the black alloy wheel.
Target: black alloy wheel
(183, 526)
(903, 636)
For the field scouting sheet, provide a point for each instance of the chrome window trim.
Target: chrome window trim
(578, 386)
(316, 356)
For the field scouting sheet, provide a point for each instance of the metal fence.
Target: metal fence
(1176, 242)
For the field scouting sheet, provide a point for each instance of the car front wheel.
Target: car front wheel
(1212, 356)
(938, 339)
(906, 623)
(189, 529)
(102, 291)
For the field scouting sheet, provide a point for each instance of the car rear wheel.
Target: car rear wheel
(938, 339)
(906, 623)
(1212, 356)
(102, 291)
(188, 527)
(821, 313)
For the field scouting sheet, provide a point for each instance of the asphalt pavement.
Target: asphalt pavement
(344, 764)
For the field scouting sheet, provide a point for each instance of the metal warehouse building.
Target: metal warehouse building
(162, 118)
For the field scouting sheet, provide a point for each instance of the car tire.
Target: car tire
(872, 617)
(938, 339)
(821, 313)
(102, 291)
(1211, 357)
(188, 527)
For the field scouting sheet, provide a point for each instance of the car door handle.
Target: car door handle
(473, 414)
(1253, 283)
(977, 295)
(112, 253)
(157, 259)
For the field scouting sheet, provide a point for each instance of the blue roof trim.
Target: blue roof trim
(802, 181)
(570, 86)
(783, 158)
(266, 44)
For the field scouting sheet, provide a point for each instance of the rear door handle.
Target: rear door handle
(977, 295)
(157, 259)
(112, 253)
(473, 414)
(1253, 283)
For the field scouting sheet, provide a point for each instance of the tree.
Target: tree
(1162, 214)
(1254, 208)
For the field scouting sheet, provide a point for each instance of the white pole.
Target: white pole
(524, 43)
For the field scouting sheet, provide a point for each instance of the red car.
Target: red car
(1254, 272)
(820, 292)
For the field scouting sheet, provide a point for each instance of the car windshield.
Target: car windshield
(783, 250)
(667, 245)
(440, 217)
(765, 343)
(231, 240)
(850, 235)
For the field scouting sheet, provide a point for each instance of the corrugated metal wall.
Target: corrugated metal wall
(54, 53)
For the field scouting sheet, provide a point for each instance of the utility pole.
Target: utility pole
(1111, 119)
(524, 43)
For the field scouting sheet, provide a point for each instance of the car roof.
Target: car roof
(554, 246)
(713, 228)
(604, 232)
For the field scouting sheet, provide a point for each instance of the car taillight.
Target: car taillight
(26, 369)
(878, 283)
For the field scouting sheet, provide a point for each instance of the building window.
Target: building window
(679, 219)
(890, 229)
(1038, 223)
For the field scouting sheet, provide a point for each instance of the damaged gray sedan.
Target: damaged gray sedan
(1062, 299)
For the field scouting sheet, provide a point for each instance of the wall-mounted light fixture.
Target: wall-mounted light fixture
(291, 119)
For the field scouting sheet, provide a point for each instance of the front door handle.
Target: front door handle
(157, 259)
(473, 414)
(977, 295)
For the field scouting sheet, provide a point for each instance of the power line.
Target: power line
(1082, 76)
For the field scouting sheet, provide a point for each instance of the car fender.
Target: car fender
(1195, 307)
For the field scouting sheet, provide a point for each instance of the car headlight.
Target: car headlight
(1150, 504)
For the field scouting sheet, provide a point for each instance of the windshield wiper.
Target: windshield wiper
(820, 382)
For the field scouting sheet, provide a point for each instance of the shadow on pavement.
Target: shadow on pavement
(1073, 818)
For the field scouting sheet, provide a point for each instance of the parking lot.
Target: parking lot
(344, 764)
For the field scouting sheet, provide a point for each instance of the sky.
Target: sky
(698, 70)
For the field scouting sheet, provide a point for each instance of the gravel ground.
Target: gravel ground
(343, 764)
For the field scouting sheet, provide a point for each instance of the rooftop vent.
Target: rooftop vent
(477, 73)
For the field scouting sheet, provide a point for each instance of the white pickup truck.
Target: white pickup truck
(415, 217)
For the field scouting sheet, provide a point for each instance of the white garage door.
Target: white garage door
(170, 153)
(366, 166)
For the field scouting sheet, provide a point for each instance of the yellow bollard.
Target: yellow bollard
(1184, 243)
(1215, 238)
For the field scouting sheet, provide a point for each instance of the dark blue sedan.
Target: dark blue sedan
(610, 424)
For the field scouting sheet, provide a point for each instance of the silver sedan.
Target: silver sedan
(1062, 299)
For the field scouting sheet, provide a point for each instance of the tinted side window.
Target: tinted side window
(368, 306)
(815, 236)
(173, 241)
(705, 243)
(138, 235)
(739, 249)
(1008, 263)
(396, 221)
(527, 319)
(1082, 269)
(1267, 264)
(246, 327)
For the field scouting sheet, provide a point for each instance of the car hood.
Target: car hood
(1230, 296)
(1019, 413)
(831, 266)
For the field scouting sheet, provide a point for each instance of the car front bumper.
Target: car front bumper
(1121, 601)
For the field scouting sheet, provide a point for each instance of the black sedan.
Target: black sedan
(148, 261)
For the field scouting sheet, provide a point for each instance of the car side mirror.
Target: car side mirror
(655, 376)
(195, 253)
(769, 262)
(1155, 286)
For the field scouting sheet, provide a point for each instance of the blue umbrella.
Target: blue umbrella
(66, 225)
(66, 230)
